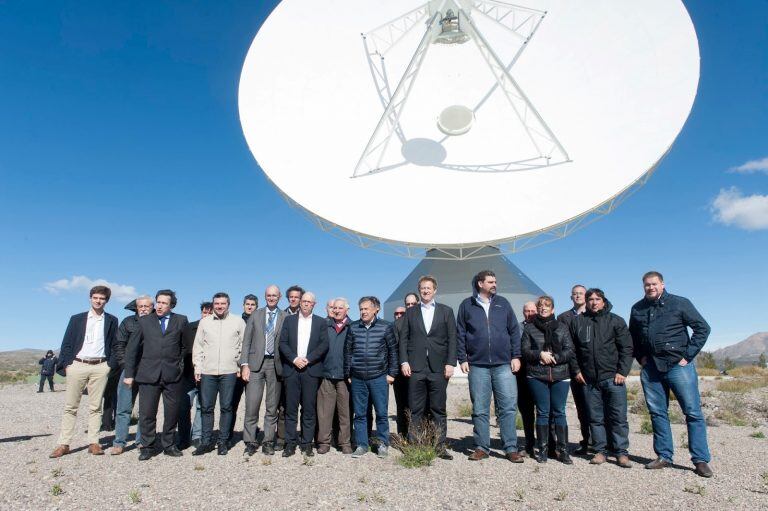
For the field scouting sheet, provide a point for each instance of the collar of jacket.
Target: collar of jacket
(660, 301)
(477, 302)
(602, 312)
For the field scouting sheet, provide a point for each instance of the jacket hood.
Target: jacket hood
(131, 306)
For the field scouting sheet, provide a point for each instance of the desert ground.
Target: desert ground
(737, 410)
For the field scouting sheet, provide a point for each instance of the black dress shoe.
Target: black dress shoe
(268, 449)
(583, 450)
(145, 454)
(279, 445)
(445, 455)
(223, 449)
(289, 450)
(196, 443)
(658, 464)
(202, 449)
(173, 452)
(250, 449)
(308, 451)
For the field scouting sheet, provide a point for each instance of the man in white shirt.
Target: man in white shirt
(85, 350)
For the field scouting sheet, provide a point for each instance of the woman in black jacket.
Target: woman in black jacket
(548, 353)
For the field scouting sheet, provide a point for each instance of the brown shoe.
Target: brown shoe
(478, 455)
(323, 449)
(702, 469)
(95, 449)
(346, 449)
(623, 461)
(117, 451)
(515, 457)
(597, 459)
(658, 464)
(59, 451)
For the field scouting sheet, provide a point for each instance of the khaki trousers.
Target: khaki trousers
(79, 377)
(333, 395)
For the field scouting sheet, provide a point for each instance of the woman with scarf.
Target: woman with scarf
(549, 358)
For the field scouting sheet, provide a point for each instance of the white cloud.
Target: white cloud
(120, 292)
(752, 166)
(733, 208)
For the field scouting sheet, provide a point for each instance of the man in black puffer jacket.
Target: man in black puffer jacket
(604, 352)
(370, 365)
(48, 363)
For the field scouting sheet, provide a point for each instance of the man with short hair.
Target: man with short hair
(216, 356)
(293, 294)
(303, 346)
(85, 350)
(370, 366)
(578, 389)
(400, 386)
(659, 326)
(428, 357)
(126, 395)
(261, 369)
(524, 398)
(191, 430)
(154, 358)
(250, 304)
(489, 351)
(329, 308)
(604, 354)
(333, 396)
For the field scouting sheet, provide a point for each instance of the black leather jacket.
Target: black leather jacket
(532, 344)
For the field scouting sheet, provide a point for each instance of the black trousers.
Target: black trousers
(44, 377)
(110, 400)
(427, 392)
(149, 400)
(579, 393)
(526, 407)
(300, 389)
(400, 388)
(236, 396)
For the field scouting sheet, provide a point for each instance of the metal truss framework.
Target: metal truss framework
(477, 251)
(520, 21)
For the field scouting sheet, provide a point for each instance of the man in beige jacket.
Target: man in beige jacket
(216, 356)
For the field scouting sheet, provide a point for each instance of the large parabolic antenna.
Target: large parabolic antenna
(455, 125)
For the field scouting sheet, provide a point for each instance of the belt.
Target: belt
(269, 356)
(91, 361)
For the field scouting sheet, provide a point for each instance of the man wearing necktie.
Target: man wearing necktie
(259, 369)
(155, 359)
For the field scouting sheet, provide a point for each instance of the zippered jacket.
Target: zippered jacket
(487, 340)
(603, 345)
(532, 345)
(370, 352)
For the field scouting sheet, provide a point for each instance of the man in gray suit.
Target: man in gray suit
(260, 369)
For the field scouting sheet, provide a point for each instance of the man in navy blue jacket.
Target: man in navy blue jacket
(489, 351)
(85, 350)
(659, 327)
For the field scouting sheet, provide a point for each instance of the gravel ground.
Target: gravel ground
(333, 481)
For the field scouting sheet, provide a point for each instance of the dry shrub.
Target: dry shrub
(742, 386)
(464, 409)
(732, 412)
(421, 450)
(749, 371)
(707, 371)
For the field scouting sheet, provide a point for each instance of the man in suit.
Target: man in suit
(428, 357)
(260, 370)
(190, 430)
(155, 359)
(85, 350)
(303, 345)
(250, 304)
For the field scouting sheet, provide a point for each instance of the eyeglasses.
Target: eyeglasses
(399, 314)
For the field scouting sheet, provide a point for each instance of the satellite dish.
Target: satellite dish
(512, 124)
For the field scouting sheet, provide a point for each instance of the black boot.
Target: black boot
(542, 437)
(551, 451)
(562, 444)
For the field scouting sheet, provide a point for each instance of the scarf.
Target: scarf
(339, 326)
(549, 327)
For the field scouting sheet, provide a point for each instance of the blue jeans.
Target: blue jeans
(550, 398)
(125, 398)
(683, 381)
(377, 390)
(212, 385)
(499, 380)
(607, 404)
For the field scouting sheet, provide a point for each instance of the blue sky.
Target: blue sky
(122, 158)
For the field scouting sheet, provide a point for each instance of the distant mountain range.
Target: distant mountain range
(747, 350)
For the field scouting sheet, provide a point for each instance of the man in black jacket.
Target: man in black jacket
(659, 327)
(303, 345)
(47, 370)
(428, 358)
(191, 431)
(370, 365)
(604, 353)
(84, 360)
(126, 395)
(155, 359)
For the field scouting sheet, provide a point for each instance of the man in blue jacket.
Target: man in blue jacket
(659, 327)
(489, 351)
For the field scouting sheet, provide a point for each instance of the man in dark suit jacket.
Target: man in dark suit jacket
(303, 345)
(83, 359)
(155, 358)
(428, 357)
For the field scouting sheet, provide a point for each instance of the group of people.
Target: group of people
(322, 376)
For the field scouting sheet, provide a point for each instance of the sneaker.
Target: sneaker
(359, 452)
(382, 452)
